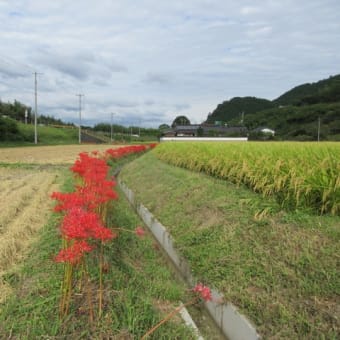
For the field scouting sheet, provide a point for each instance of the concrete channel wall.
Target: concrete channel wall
(231, 323)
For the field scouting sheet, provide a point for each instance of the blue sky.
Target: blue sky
(148, 61)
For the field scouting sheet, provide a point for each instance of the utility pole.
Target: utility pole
(79, 95)
(36, 107)
(319, 129)
(111, 126)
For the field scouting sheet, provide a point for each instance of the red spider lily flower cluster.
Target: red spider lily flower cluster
(82, 227)
(74, 253)
(81, 222)
(127, 150)
(203, 291)
(140, 232)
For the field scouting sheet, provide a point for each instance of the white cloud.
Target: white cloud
(157, 78)
(172, 57)
(260, 31)
(248, 10)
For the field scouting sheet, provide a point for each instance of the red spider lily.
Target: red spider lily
(81, 224)
(96, 194)
(74, 253)
(90, 169)
(85, 213)
(104, 234)
(88, 197)
(67, 201)
(140, 232)
(203, 291)
(80, 164)
(124, 151)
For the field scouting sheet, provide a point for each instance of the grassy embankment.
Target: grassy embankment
(139, 288)
(279, 267)
(46, 136)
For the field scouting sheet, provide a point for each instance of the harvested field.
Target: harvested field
(58, 154)
(25, 207)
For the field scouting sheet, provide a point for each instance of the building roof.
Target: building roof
(192, 127)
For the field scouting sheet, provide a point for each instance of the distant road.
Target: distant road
(86, 138)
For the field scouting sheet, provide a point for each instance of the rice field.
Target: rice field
(298, 175)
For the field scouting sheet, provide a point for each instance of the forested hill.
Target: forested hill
(323, 91)
(234, 108)
(295, 115)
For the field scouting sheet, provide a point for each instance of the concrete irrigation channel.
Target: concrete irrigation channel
(230, 323)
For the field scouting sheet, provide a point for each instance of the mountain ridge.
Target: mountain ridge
(293, 115)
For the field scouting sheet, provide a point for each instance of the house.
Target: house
(204, 130)
(182, 131)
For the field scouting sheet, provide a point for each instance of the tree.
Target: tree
(164, 127)
(180, 120)
(9, 129)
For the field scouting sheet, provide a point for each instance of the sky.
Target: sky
(144, 62)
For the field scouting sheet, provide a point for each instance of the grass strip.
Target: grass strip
(280, 268)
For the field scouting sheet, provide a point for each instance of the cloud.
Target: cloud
(15, 14)
(75, 65)
(154, 59)
(10, 68)
(260, 31)
(181, 107)
(115, 66)
(249, 10)
(124, 103)
(149, 102)
(157, 78)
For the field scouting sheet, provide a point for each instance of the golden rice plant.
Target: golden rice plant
(297, 174)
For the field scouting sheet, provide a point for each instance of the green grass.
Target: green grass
(139, 289)
(279, 267)
(46, 136)
(50, 135)
(63, 136)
